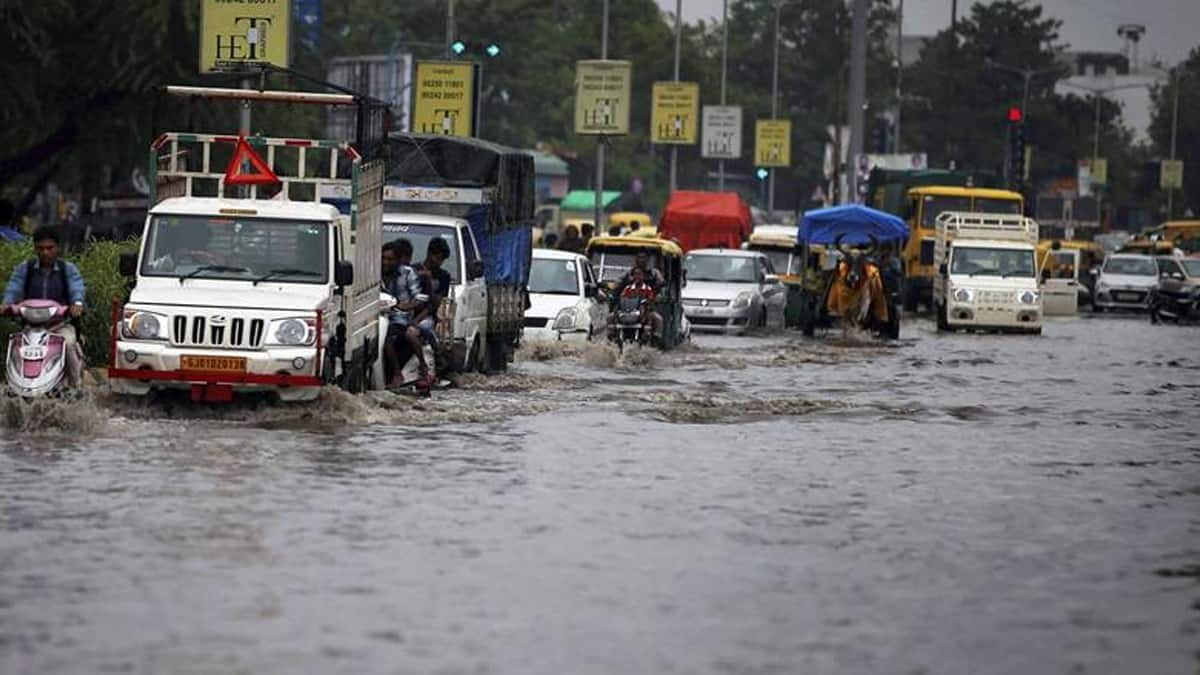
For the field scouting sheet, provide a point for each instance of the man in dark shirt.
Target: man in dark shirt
(436, 282)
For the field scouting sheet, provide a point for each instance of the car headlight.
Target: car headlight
(964, 295)
(1027, 297)
(292, 332)
(1101, 286)
(742, 300)
(144, 325)
(565, 319)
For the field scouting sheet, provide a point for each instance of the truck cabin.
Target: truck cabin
(925, 204)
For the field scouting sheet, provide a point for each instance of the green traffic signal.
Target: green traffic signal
(493, 50)
(458, 47)
(762, 173)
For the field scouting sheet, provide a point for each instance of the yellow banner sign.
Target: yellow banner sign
(602, 97)
(675, 113)
(1099, 171)
(235, 34)
(773, 143)
(1171, 174)
(444, 101)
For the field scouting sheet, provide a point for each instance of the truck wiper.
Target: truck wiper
(211, 268)
(286, 272)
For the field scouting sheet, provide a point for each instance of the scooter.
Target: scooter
(36, 362)
(630, 323)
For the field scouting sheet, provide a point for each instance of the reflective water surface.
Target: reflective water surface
(947, 504)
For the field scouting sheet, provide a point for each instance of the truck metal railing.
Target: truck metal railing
(997, 226)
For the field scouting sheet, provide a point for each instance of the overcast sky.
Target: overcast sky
(1172, 26)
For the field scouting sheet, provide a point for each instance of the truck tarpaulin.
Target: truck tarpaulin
(706, 219)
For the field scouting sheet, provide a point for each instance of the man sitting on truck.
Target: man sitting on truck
(403, 338)
(48, 278)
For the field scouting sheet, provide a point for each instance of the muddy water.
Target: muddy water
(947, 504)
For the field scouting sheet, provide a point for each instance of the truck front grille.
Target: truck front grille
(216, 332)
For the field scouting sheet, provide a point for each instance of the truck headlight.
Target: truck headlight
(293, 332)
(742, 300)
(964, 295)
(144, 325)
(565, 321)
(1027, 297)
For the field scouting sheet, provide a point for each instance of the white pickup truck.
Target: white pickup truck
(986, 275)
(277, 294)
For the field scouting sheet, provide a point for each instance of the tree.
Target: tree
(1187, 143)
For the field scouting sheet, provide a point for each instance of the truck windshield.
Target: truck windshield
(555, 277)
(723, 268)
(209, 247)
(419, 235)
(934, 205)
(997, 262)
(992, 205)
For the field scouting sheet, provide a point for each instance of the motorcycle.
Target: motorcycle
(629, 323)
(37, 359)
(1174, 301)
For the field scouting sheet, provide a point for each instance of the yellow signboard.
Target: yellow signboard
(1171, 174)
(444, 100)
(602, 97)
(235, 34)
(773, 142)
(675, 113)
(1099, 171)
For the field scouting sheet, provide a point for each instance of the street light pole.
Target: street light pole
(599, 206)
(449, 28)
(899, 72)
(774, 107)
(675, 148)
(724, 71)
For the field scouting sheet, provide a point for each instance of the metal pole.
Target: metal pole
(675, 148)
(724, 71)
(479, 103)
(244, 120)
(857, 98)
(1095, 155)
(774, 109)
(1174, 129)
(899, 72)
(449, 28)
(599, 207)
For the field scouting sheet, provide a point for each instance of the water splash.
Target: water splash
(72, 416)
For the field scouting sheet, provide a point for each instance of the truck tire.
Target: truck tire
(497, 354)
(943, 322)
(473, 361)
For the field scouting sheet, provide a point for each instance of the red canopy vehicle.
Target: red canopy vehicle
(706, 220)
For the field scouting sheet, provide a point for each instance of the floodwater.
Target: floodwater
(946, 504)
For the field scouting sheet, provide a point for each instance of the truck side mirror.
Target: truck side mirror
(343, 273)
(474, 270)
(127, 264)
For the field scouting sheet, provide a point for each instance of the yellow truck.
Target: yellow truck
(922, 208)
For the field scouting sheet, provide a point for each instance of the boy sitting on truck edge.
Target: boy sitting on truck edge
(435, 282)
(403, 283)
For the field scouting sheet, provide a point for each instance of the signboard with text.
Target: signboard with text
(1171, 174)
(235, 34)
(602, 95)
(444, 98)
(773, 143)
(674, 113)
(1099, 171)
(721, 132)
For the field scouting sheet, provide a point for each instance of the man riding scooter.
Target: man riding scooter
(48, 278)
(638, 290)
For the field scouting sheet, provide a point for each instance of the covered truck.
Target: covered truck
(488, 189)
(706, 220)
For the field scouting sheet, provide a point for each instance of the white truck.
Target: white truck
(986, 275)
(254, 292)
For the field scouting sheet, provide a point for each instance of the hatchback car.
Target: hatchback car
(563, 298)
(1125, 282)
(730, 290)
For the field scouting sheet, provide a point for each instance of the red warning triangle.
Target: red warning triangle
(262, 174)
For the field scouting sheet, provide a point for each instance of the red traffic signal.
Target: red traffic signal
(1014, 114)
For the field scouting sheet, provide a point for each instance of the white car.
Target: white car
(1125, 282)
(729, 290)
(563, 301)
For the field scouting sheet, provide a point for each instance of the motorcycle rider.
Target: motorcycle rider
(46, 277)
(639, 287)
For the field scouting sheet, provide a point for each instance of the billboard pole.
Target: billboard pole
(774, 108)
(724, 70)
(599, 206)
(675, 148)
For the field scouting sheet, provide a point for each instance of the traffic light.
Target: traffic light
(458, 47)
(1016, 147)
(880, 134)
(762, 173)
(492, 50)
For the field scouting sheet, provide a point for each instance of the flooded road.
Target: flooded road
(947, 504)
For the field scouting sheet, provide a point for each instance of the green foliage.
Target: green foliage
(97, 262)
(1187, 142)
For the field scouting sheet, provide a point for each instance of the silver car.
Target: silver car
(1125, 281)
(730, 290)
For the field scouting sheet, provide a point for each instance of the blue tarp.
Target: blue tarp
(505, 253)
(855, 223)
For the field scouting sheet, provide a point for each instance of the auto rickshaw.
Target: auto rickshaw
(626, 221)
(613, 257)
(1062, 259)
(779, 244)
(839, 228)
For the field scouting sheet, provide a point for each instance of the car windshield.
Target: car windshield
(556, 277)
(935, 205)
(724, 268)
(210, 247)
(997, 262)
(1138, 267)
(993, 205)
(419, 235)
(1192, 267)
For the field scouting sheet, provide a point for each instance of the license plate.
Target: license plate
(702, 310)
(214, 364)
(1126, 297)
(33, 353)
